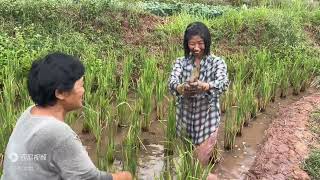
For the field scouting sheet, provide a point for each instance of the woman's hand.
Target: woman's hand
(125, 175)
(192, 88)
(200, 86)
(186, 90)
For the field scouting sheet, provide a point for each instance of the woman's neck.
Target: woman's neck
(55, 111)
(197, 60)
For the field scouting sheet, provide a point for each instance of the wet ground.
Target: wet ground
(236, 163)
(233, 165)
(287, 142)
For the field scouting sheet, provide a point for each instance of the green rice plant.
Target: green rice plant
(263, 77)
(252, 101)
(308, 71)
(88, 82)
(302, 67)
(226, 100)
(8, 110)
(122, 96)
(296, 77)
(265, 90)
(189, 167)
(72, 117)
(145, 91)
(282, 71)
(248, 105)
(91, 118)
(107, 80)
(161, 89)
(239, 101)
(105, 162)
(230, 127)
(171, 128)
(131, 143)
(276, 79)
(109, 124)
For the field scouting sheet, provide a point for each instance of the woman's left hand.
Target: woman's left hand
(200, 85)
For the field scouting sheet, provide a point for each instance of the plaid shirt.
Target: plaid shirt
(199, 116)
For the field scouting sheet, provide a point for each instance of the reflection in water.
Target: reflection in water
(152, 164)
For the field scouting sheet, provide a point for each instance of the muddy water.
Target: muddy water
(233, 165)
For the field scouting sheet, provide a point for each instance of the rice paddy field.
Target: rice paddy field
(271, 47)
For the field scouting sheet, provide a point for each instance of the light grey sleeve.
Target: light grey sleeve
(73, 162)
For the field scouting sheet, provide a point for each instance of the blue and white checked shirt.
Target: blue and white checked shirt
(199, 116)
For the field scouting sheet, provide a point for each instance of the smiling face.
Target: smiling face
(197, 46)
(72, 99)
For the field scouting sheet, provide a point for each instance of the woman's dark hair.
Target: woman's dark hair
(200, 29)
(56, 71)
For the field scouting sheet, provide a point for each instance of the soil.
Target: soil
(236, 163)
(137, 29)
(286, 142)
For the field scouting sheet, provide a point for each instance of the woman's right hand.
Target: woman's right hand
(124, 175)
(186, 90)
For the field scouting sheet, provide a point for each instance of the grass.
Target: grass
(312, 164)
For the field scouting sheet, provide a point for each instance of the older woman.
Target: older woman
(42, 146)
(197, 79)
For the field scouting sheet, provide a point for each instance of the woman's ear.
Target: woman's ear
(59, 94)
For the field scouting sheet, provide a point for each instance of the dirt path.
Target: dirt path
(286, 142)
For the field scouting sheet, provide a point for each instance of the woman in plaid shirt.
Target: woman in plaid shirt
(198, 79)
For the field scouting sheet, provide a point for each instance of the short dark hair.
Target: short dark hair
(56, 71)
(200, 29)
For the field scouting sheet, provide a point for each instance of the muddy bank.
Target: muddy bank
(286, 142)
(236, 163)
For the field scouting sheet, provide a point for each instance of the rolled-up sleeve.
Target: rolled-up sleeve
(175, 77)
(73, 162)
(220, 81)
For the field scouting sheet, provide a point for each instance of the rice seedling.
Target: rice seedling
(8, 110)
(230, 127)
(296, 74)
(161, 89)
(131, 143)
(282, 70)
(106, 159)
(244, 109)
(91, 117)
(238, 94)
(145, 91)
(265, 90)
(308, 71)
(276, 79)
(122, 96)
(189, 167)
(171, 128)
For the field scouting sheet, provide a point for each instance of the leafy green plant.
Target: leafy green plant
(168, 9)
